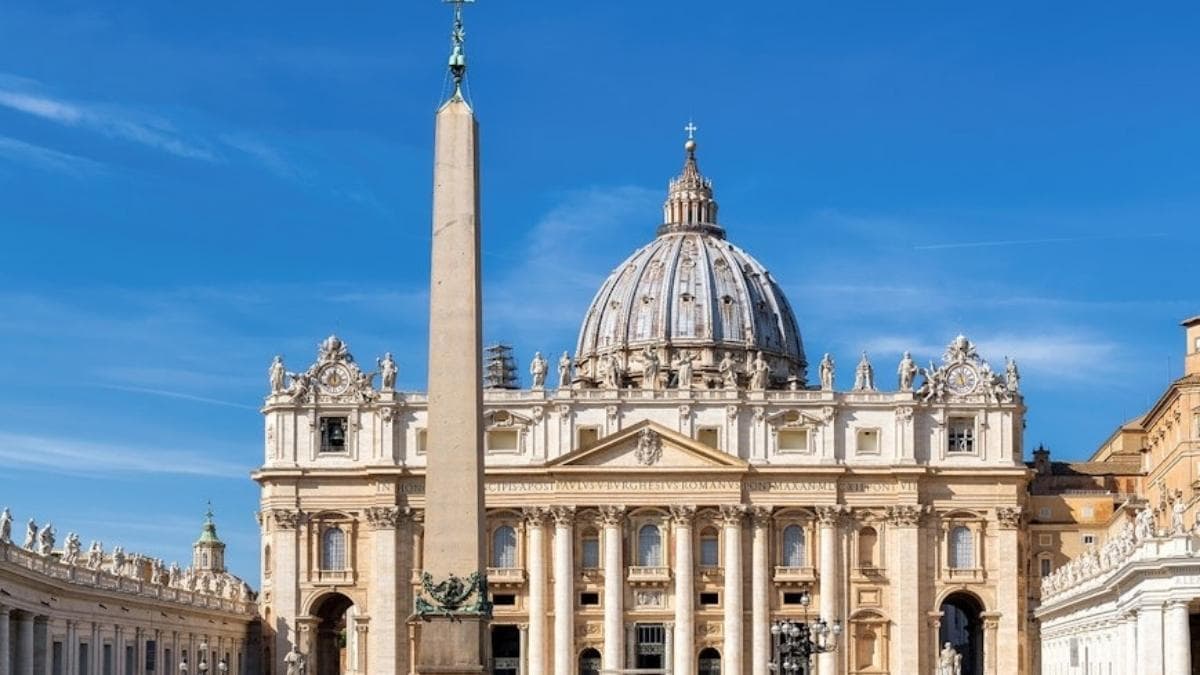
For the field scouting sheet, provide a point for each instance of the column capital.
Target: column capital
(682, 515)
(535, 516)
(732, 514)
(761, 514)
(906, 515)
(612, 515)
(1176, 603)
(830, 515)
(564, 516)
(384, 517)
(286, 519)
(1009, 517)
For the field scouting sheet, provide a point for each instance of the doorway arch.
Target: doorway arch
(962, 627)
(709, 662)
(589, 662)
(329, 647)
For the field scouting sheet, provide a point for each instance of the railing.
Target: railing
(649, 574)
(962, 573)
(505, 575)
(75, 575)
(793, 574)
(334, 576)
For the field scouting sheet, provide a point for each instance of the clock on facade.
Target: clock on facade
(961, 379)
(334, 379)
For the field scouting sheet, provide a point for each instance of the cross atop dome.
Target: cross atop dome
(690, 206)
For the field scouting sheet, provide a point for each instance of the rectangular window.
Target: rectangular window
(960, 435)
(590, 553)
(503, 440)
(792, 440)
(589, 599)
(1045, 540)
(421, 441)
(587, 436)
(1044, 565)
(710, 436)
(333, 434)
(1044, 513)
(151, 654)
(710, 599)
(1089, 539)
(504, 599)
(793, 598)
(867, 441)
(710, 552)
(648, 649)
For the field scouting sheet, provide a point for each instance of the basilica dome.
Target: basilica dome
(689, 295)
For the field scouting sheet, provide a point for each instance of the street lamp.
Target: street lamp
(183, 667)
(203, 665)
(796, 641)
(222, 666)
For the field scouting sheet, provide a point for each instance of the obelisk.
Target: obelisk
(452, 631)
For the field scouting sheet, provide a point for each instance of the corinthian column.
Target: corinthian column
(1177, 639)
(535, 522)
(828, 517)
(383, 649)
(760, 610)
(904, 535)
(564, 589)
(731, 521)
(685, 628)
(614, 588)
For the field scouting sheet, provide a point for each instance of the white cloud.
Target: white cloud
(264, 154)
(178, 395)
(47, 158)
(74, 457)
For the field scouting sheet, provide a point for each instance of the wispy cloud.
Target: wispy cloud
(1043, 240)
(111, 121)
(74, 457)
(266, 155)
(47, 158)
(177, 395)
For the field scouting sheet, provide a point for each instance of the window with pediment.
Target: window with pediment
(961, 548)
(333, 549)
(793, 550)
(649, 546)
(504, 547)
(710, 548)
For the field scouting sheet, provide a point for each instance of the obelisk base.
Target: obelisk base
(451, 646)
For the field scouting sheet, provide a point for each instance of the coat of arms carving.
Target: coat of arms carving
(649, 447)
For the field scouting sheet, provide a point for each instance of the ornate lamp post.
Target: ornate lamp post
(183, 667)
(203, 665)
(796, 641)
(222, 667)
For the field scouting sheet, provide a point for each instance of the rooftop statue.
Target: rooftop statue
(277, 373)
(6, 526)
(387, 371)
(95, 555)
(728, 367)
(538, 368)
(907, 372)
(46, 540)
(31, 533)
(760, 373)
(649, 368)
(683, 368)
(564, 371)
(826, 372)
(72, 549)
(864, 375)
(1012, 378)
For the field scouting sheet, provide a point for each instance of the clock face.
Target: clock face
(334, 379)
(961, 379)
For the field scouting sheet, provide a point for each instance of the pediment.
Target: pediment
(647, 445)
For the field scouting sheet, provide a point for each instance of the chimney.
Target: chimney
(1191, 362)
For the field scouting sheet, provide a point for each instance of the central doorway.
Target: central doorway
(962, 627)
(649, 648)
(330, 648)
(506, 650)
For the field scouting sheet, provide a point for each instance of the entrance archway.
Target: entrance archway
(329, 648)
(506, 649)
(589, 662)
(709, 662)
(962, 627)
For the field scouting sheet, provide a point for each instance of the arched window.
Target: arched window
(589, 662)
(649, 552)
(333, 549)
(710, 551)
(589, 546)
(709, 662)
(793, 546)
(962, 548)
(868, 541)
(504, 547)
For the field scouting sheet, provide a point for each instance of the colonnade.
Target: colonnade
(34, 642)
(1152, 639)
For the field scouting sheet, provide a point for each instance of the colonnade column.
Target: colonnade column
(731, 522)
(904, 534)
(24, 661)
(5, 647)
(685, 631)
(383, 638)
(1150, 640)
(535, 530)
(613, 518)
(829, 517)
(283, 525)
(1177, 639)
(564, 589)
(760, 611)
(1130, 643)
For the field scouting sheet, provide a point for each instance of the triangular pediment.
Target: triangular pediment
(648, 445)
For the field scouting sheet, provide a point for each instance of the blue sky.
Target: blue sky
(186, 190)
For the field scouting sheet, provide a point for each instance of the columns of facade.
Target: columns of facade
(829, 517)
(1150, 640)
(1130, 642)
(24, 661)
(535, 530)
(760, 610)
(1177, 639)
(991, 644)
(564, 589)
(523, 649)
(1003, 555)
(731, 522)
(43, 649)
(613, 518)
(384, 635)
(5, 646)
(283, 525)
(904, 559)
(70, 652)
(934, 630)
(631, 644)
(668, 643)
(685, 630)
(95, 651)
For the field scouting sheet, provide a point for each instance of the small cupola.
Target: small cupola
(208, 553)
